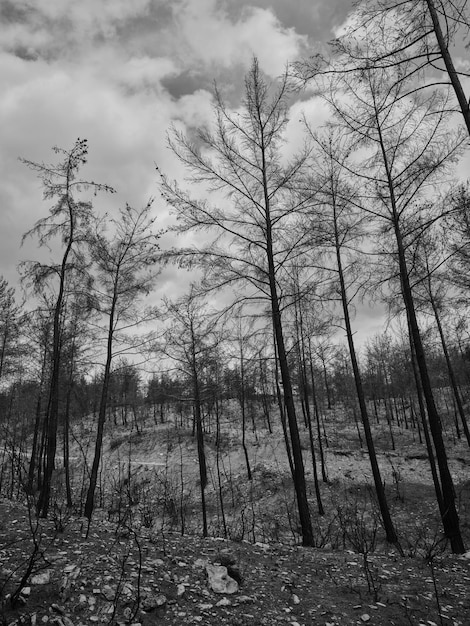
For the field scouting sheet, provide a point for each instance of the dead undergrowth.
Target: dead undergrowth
(118, 575)
(143, 560)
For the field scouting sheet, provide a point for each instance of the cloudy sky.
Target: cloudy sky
(118, 72)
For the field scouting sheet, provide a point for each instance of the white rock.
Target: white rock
(365, 617)
(224, 602)
(41, 579)
(108, 608)
(127, 589)
(108, 592)
(219, 580)
(244, 599)
(153, 601)
(295, 599)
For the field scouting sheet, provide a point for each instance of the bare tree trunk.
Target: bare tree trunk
(34, 462)
(379, 486)
(282, 413)
(301, 359)
(90, 497)
(451, 71)
(201, 455)
(450, 369)
(299, 470)
(298, 463)
(450, 518)
(427, 437)
(53, 405)
(317, 416)
(264, 396)
(66, 444)
(243, 406)
(217, 462)
(327, 385)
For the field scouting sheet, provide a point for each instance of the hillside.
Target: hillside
(144, 560)
(116, 576)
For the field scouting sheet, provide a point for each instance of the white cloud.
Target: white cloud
(114, 97)
(47, 105)
(22, 37)
(195, 110)
(87, 17)
(316, 113)
(142, 73)
(116, 102)
(211, 37)
(339, 30)
(99, 73)
(462, 65)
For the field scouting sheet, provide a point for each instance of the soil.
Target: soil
(109, 577)
(134, 566)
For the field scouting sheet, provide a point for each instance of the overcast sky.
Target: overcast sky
(118, 72)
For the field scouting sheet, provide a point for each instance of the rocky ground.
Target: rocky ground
(121, 576)
(133, 566)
